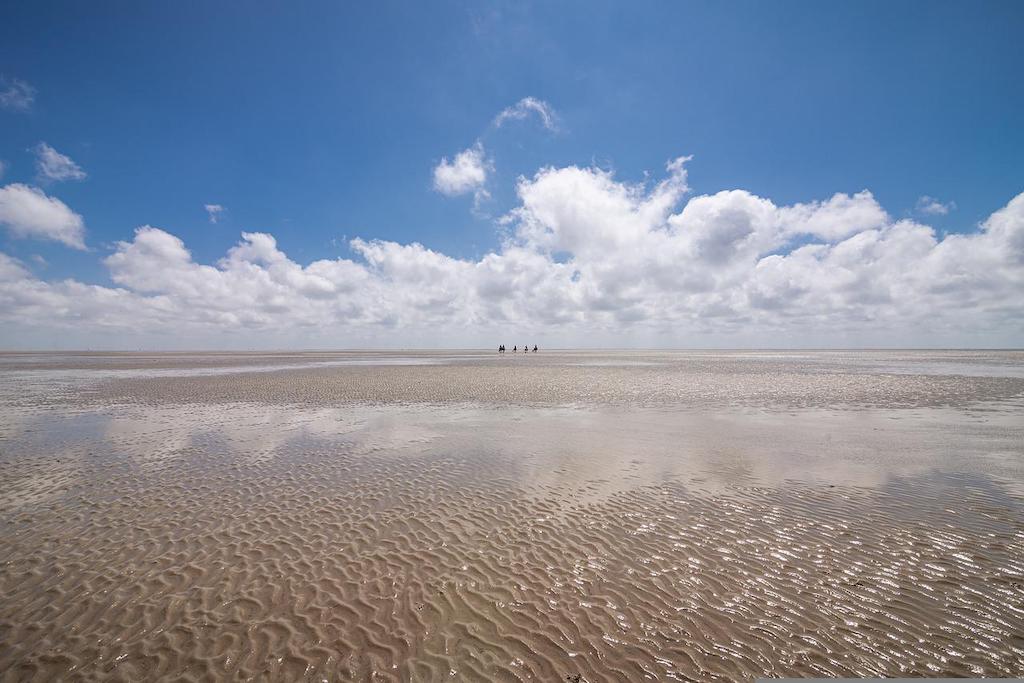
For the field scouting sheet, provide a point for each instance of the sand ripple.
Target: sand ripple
(201, 541)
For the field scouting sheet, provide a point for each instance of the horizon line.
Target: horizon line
(492, 349)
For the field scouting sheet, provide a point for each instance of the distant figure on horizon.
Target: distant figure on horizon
(501, 348)
(513, 348)
(535, 348)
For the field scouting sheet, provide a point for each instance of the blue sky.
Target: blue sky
(324, 122)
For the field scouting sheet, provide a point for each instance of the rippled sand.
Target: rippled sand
(613, 516)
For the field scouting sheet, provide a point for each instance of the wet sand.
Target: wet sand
(617, 516)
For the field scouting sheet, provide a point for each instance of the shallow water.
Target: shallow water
(620, 516)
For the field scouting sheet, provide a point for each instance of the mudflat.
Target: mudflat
(461, 515)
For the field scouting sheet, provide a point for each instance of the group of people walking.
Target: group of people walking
(526, 348)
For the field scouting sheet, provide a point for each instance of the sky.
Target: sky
(416, 175)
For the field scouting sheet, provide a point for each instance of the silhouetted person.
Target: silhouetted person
(535, 348)
(513, 348)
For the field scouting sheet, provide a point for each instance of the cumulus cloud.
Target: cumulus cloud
(588, 259)
(28, 212)
(16, 95)
(933, 207)
(526, 107)
(213, 211)
(467, 172)
(11, 270)
(52, 165)
(841, 216)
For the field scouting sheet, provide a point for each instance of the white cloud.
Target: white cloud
(524, 108)
(841, 216)
(17, 95)
(29, 212)
(588, 259)
(933, 207)
(467, 172)
(213, 211)
(11, 269)
(52, 165)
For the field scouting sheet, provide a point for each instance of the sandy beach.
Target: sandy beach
(559, 516)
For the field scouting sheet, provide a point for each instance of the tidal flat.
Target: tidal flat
(552, 516)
